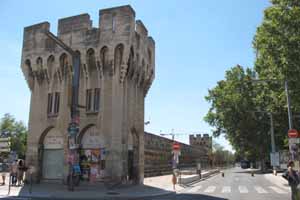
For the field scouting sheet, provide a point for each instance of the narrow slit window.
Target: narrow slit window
(49, 107)
(88, 100)
(97, 99)
(56, 102)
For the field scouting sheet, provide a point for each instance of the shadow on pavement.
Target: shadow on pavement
(255, 171)
(89, 191)
(186, 197)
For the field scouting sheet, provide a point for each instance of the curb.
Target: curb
(211, 174)
(196, 179)
(104, 196)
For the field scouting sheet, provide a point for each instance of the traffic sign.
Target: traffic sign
(274, 159)
(176, 146)
(293, 133)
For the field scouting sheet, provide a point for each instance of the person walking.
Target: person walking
(13, 172)
(4, 171)
(293, 178)
(20, 172)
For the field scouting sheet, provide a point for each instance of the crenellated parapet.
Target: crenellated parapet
(119, 48)
(201, 141)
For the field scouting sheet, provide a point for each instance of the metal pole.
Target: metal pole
(288, 104)
(272, 134)
(74, 125)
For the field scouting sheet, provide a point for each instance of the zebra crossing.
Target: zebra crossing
(241, 189)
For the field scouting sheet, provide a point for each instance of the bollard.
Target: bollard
(174, 180)
(252, 173)
(9, 183)
(223, 174)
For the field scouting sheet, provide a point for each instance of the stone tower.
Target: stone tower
(116, 72)
(203, 142)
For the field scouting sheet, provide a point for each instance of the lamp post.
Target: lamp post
(273, 146)
(286, 89)
(73, 128)
(288, 100)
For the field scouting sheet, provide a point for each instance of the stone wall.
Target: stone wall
(158, 155)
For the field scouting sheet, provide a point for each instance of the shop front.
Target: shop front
(92, 156)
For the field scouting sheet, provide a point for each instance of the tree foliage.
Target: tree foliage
(17, 131)
(233, 101)
(221, 156)
(277, 48)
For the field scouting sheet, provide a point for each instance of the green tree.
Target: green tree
(222, 157)
(277, 46)
(233, 101)
(17, 131)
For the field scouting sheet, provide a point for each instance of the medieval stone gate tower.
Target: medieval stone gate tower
(117, 70)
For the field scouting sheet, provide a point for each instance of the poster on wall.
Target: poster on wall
(93, 172)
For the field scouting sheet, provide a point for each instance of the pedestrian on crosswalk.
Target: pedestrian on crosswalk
(294, 180)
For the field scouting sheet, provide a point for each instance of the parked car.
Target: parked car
(245, 164)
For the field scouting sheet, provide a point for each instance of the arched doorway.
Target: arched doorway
(133, 156)
(130, 161)
(92, 155)
(53, 155)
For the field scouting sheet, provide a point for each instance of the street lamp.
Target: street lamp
(286, 93)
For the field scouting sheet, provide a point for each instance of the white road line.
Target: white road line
(226, 189)
(243, 189)
(260, 190)
(195, 189)
(278, 190)
(210, 189)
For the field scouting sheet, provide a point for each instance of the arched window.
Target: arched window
(130, 61)
(93, 89)
(39, 63)
(50, 66)
(63, 64)
(104, 56)
(118, 56)
(91, 60)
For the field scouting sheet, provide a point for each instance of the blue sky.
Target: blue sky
(196, 42)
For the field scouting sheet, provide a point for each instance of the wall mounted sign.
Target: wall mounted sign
(54, 140)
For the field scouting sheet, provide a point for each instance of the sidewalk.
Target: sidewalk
(153, 186)
(278, 180)
(99, 191)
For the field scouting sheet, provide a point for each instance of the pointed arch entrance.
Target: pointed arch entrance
(133, 155)
(92, 154)
(53, 155)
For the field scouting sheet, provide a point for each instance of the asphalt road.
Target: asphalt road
(237, 184)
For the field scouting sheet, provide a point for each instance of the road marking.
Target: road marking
(278, 190)
(226, 189)
(243, 189)
(195, 189)
(210, 189)
(260, 190)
